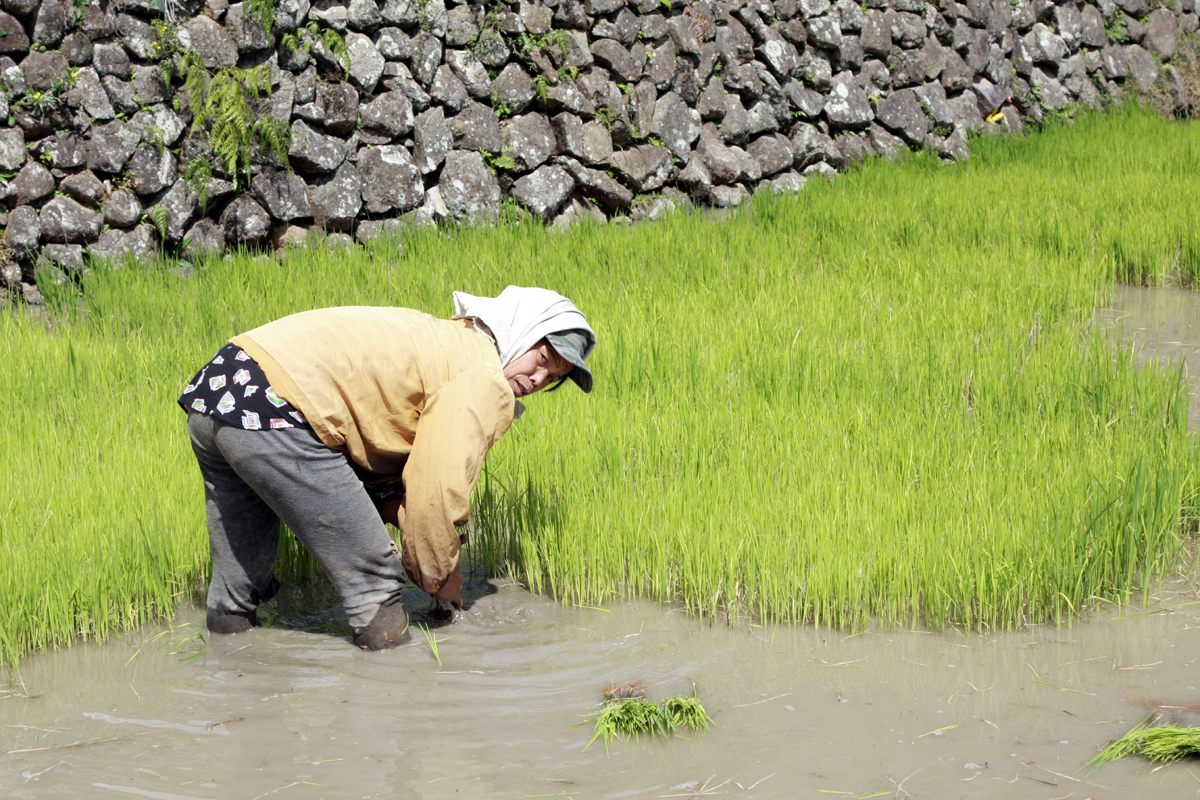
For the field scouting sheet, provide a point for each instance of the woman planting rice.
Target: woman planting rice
(337, 420)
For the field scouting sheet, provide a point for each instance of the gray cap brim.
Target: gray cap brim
(571, 345)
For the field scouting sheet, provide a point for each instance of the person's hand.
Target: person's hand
(451, 590)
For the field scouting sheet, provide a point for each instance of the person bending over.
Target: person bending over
(339, 419)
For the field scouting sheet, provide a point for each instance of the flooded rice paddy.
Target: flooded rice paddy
(798, 712)
(292, 711)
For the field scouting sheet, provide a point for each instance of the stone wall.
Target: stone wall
(415, 111)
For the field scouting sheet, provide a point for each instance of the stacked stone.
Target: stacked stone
(572, 109)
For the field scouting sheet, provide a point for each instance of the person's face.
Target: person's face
(541, 366)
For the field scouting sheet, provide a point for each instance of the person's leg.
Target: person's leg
(316, 492)
(243, 532)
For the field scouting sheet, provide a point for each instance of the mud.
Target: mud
(292, 711)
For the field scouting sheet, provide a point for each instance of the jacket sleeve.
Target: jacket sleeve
(457, 427)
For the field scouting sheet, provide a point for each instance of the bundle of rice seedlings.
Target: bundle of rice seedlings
(629, 718)
(630, 715)
(1161, 743)
(685, 712)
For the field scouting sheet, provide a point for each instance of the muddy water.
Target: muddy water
(291, 711)
(797, 712)
(1161, 323)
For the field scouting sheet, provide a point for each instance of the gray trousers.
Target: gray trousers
(254, 479)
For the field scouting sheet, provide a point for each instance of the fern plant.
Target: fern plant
(527, 44)
(501, 160)
(198, 175)
(153, 135)
(262, 12)
(311, 33)
(223, 102)
(335, 44)
(541, 86)
(158, 215)
(292, 42)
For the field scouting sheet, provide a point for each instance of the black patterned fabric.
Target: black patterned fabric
(234, 389)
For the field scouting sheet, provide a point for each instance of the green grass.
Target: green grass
(882, 399)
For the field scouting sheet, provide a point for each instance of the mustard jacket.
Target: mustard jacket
(400, 393)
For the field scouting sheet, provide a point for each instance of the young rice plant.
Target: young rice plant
(883, 399)
(1161, 743)
(634, 717)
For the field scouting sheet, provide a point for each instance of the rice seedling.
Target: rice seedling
(633, 716)
(1161, 743)
(686, 713)
(880, 400)
(176, 647)
(431, 640)
(629, 718)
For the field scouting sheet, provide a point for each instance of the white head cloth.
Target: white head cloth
(520, 317)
